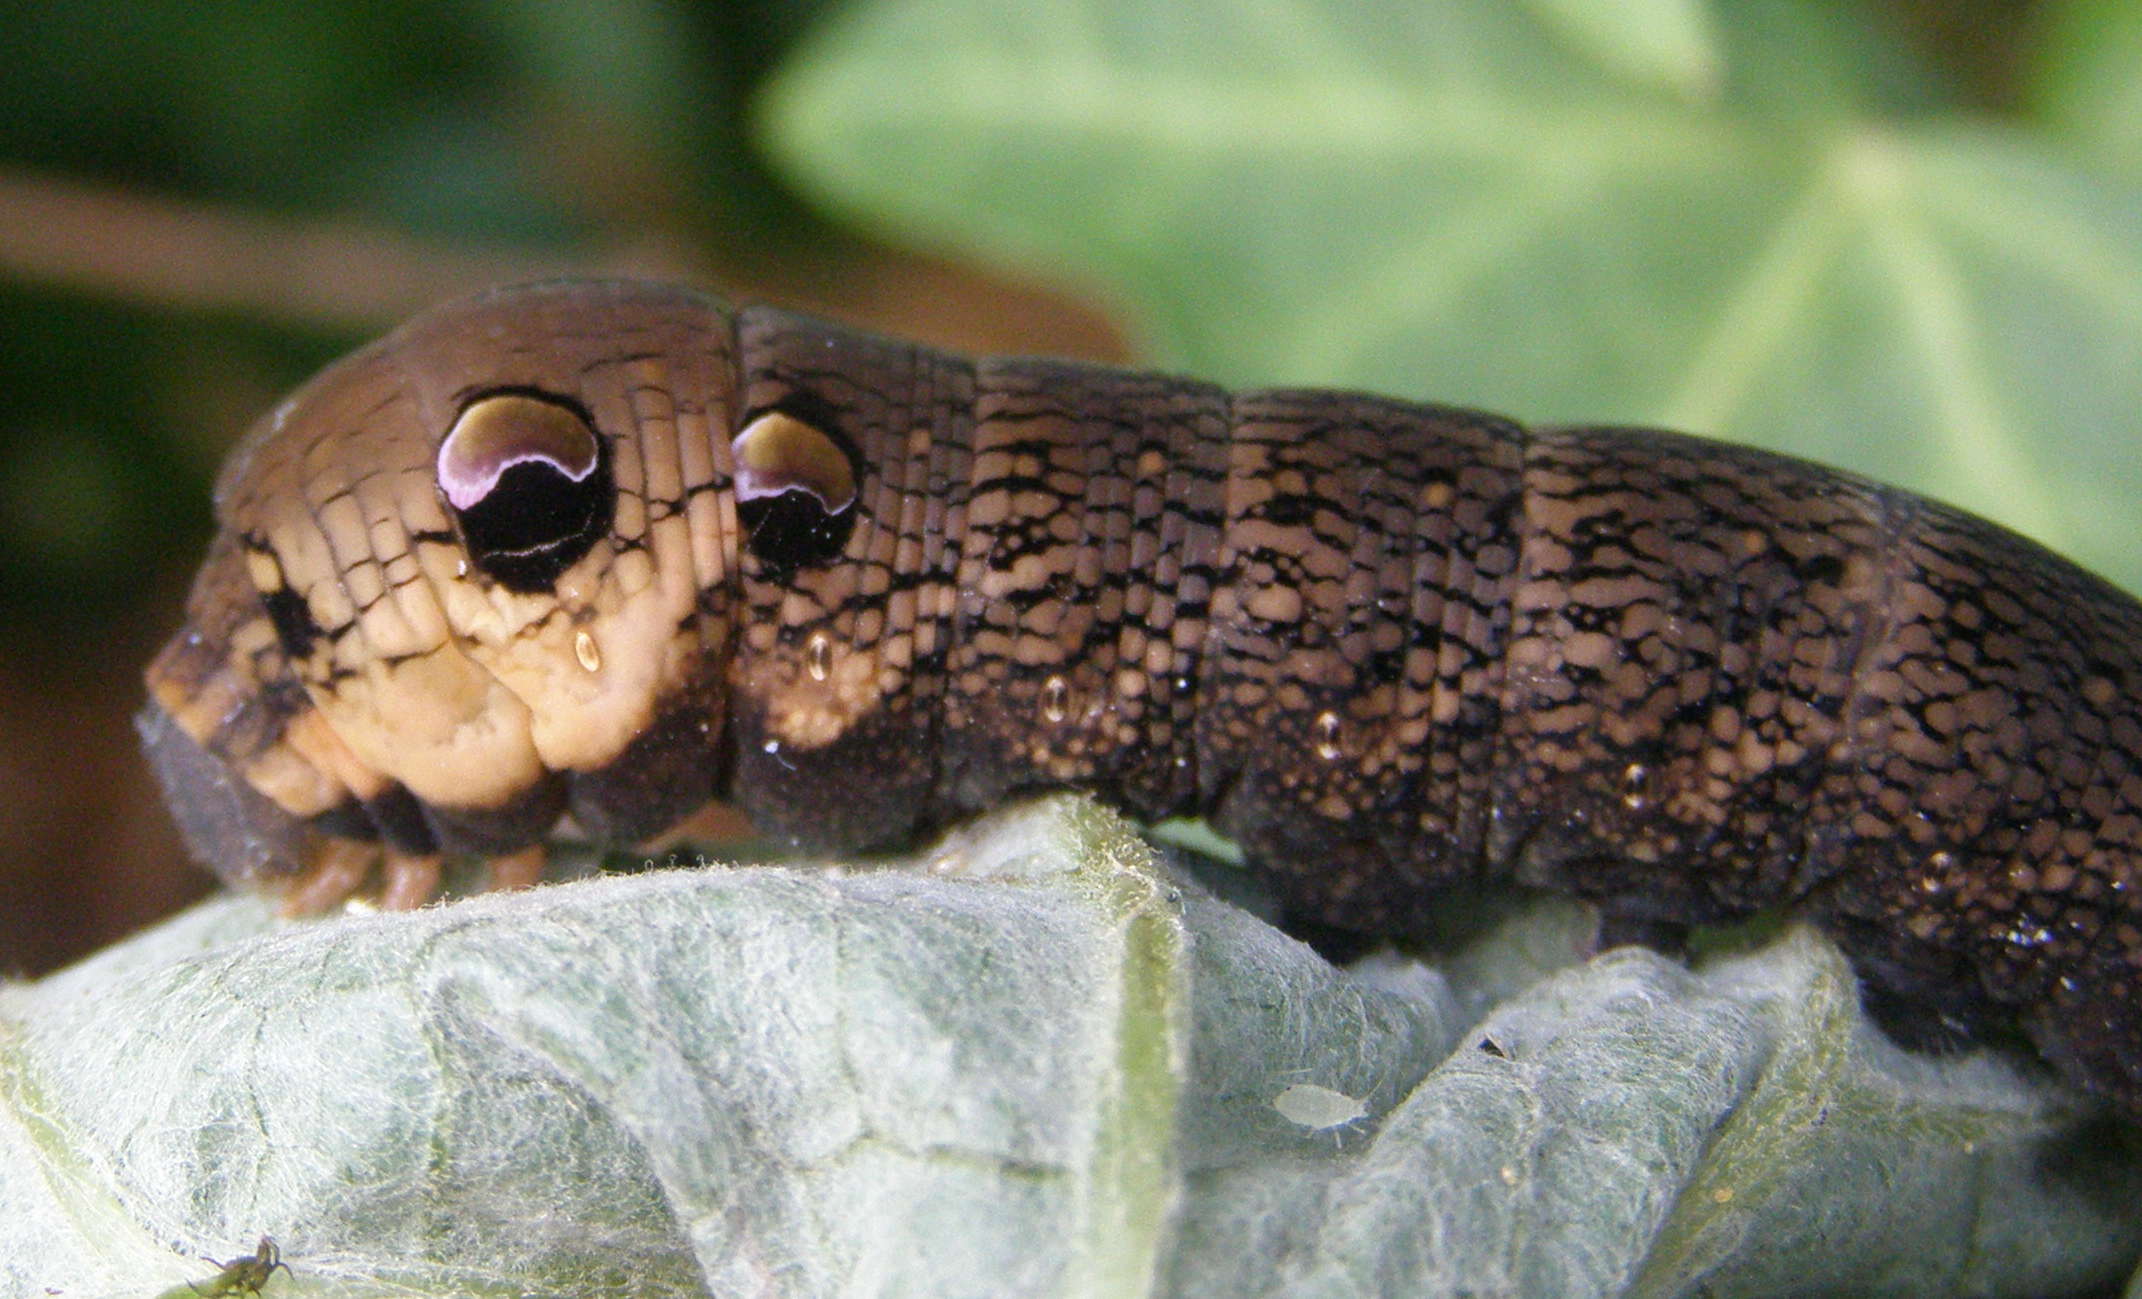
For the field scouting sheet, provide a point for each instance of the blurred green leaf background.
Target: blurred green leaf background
(1758, 220)
(1903, 235)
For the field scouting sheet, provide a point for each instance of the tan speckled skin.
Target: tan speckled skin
(1389, 647)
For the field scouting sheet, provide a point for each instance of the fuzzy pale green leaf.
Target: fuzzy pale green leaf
(1029, 1064)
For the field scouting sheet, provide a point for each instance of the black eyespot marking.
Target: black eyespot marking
(294, 624)
(296, 630)
(795, 488)
(527, 479)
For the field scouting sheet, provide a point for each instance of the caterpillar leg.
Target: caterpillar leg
(410, 880)
(712, 822)
(340, 868)
(343, 867)
(519, 870)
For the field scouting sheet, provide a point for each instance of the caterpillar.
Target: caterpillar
(609, 551)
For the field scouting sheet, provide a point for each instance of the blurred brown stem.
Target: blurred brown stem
(332, 272)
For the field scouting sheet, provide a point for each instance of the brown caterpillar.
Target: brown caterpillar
(613, 550)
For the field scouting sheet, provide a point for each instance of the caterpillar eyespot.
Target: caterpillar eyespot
(522, 475)
(779, 453)
(795, 490)
(860, 588)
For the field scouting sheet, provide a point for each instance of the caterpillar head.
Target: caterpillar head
(470, 578)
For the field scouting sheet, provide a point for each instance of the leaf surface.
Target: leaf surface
(1029, 1063)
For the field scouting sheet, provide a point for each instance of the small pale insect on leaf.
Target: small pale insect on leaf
(1318, 1108)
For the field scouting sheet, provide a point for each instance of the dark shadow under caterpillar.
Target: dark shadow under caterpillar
(610, 551)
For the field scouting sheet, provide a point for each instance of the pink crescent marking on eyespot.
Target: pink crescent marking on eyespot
(462, 492)
(751, 484)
